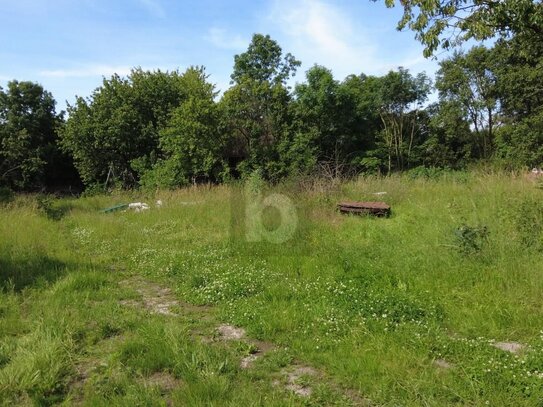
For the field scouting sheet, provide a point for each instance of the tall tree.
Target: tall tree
(257, 106)
(448, 142)
(28, 136)
(264, 62)
(401, 96)
(192, 142)
(363, 93)
(519, 68)
(319, 110)
(470, 80)
(336, 116)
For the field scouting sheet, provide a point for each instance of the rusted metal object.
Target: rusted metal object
(365, 208)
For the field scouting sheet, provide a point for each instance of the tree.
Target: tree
(363, 93)
(116, 130)
(470, 81)
(448, 142)
(521, 143)
(336, 116)
(28, 136)
(191, 143)
(319, 111)
(257, 119)
(264, 62)
(448, 23)
(519, 68)
(256, 108)
(401, 95)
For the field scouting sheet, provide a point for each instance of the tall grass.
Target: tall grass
(370, 302)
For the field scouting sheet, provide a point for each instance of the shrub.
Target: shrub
(46, 205)
(471, 239)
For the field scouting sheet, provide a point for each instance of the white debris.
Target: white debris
(379, 193)
(138, 206)
(159, 203)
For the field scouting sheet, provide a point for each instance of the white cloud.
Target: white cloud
(220, 38)
(322, 33)
(154, 7)
(87, 71)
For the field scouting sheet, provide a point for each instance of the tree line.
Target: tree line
(170, 129)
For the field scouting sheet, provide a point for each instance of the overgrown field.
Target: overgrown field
(173, 306)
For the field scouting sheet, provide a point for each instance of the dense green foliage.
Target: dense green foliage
(29, 153)
(448, 23)
(169, 129)
(120, 124)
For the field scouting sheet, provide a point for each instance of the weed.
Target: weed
(471, 239)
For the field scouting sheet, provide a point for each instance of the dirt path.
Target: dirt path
(297, 378)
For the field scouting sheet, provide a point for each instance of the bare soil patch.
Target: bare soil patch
(230, 332)
(163, 380)
(512, 347)
(158, 299)
(155, 298)
(295, 383)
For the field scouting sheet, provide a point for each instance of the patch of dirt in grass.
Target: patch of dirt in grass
(247, 361)
(157, 299)
(293, 377)
(513, 347)
(163, 380)
(294, 380)
(298, 379)
(230, 332)
(260, 348)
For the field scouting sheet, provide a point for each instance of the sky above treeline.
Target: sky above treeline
(69, 45)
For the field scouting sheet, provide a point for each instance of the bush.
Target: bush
(471, 239)
(46, 205)
(165, 174)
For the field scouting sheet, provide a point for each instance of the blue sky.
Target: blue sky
(68, 45)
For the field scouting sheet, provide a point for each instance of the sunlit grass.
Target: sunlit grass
(371, 303)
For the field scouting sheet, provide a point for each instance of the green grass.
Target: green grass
(369, 303)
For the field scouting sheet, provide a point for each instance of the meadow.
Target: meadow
(439, 304)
